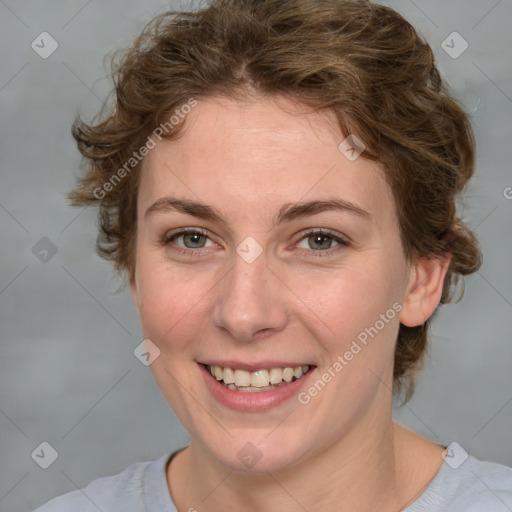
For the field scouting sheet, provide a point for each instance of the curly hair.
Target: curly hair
(360, 60)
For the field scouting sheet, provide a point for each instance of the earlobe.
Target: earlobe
(424, 290)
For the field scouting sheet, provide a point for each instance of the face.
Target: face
(260, 247)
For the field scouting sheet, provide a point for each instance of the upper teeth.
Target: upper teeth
(259, 378)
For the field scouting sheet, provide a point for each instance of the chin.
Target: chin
(250, 451)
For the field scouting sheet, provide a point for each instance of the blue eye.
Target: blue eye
(321, 241)
(318, 242)
(192, 239)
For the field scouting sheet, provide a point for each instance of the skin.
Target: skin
(341, 451)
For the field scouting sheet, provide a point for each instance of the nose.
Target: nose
(250, 301)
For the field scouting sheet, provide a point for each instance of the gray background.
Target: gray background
(68, 375)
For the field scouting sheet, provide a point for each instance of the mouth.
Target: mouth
(254, 388)
(259, 381)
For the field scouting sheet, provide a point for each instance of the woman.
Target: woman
(277, 181)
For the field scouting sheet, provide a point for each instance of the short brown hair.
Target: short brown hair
(361, 60)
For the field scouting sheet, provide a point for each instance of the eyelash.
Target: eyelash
(167, 239)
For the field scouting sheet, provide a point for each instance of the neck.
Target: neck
(363, 471)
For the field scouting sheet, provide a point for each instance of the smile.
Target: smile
(257, 381)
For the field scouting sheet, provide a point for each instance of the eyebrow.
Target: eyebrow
(286, 213)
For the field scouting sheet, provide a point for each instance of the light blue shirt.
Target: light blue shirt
(463, 484)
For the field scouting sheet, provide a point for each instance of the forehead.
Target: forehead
(250, 157)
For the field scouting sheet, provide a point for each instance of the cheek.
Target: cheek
(170, 304)
(345, 303)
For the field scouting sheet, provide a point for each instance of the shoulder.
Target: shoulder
(126, 491)
(488, 483)
(467, 484)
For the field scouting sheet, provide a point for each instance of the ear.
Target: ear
(424, 290)
(135, 293)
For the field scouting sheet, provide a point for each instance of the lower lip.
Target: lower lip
(256, 401)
